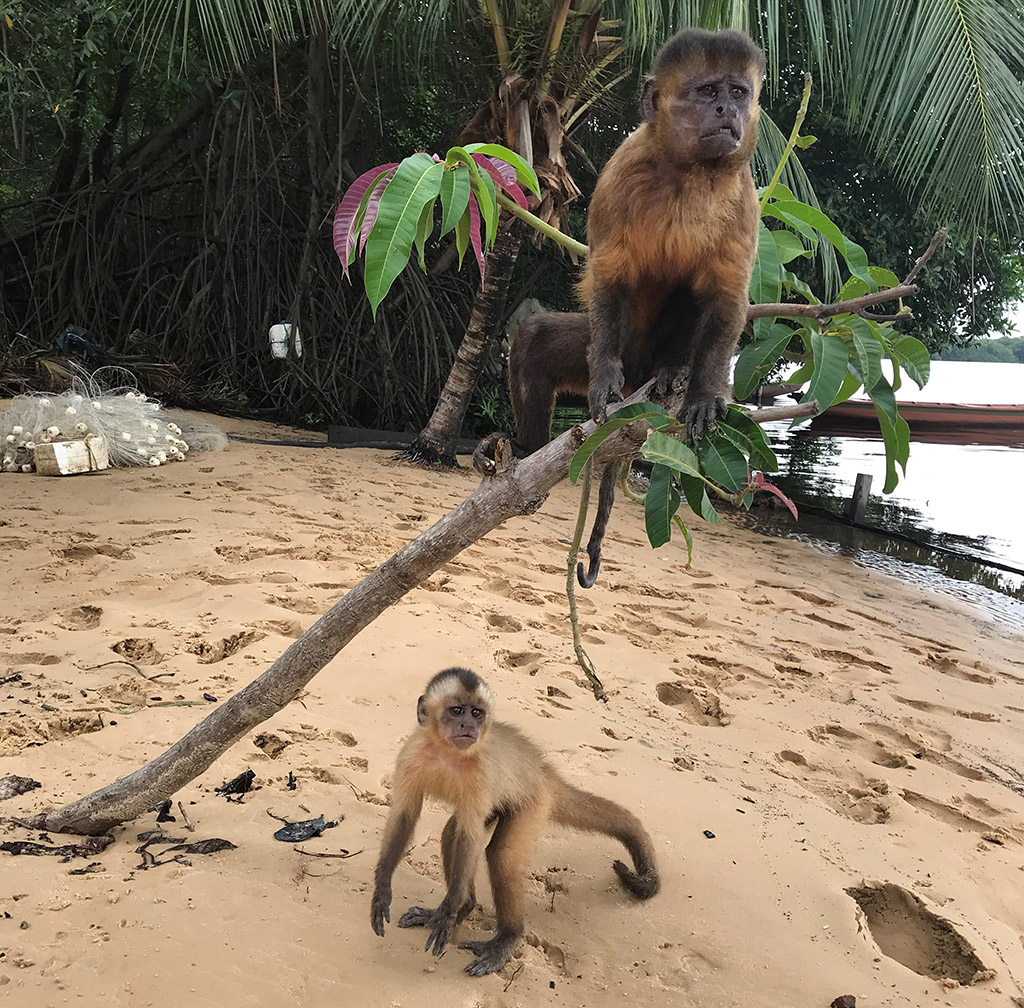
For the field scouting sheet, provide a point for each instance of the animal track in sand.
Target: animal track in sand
(949, 814)
(81, 551)
(138, 649)
(296, 603)
(83, 617)
(32, 730)
(947, 666)
(850, 793)
(285, 627)
(526, 661)
(243, 554)
(208, 652)
(925, 747)
(811, 597)
(834, 624)
(700, 707)
(925, 705)
(904, 929)
(503, 624)
(868, 748)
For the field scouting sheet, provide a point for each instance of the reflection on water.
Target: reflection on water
(961, 497)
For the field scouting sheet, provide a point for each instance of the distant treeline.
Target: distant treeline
(1008, 350)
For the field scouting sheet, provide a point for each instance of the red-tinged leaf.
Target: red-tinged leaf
(504, 175)
(760, 484)
(372, 208)
(474, 232)
(347, 216)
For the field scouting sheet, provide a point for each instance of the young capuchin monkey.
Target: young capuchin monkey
(489, 774)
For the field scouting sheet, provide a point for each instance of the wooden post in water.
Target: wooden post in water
(857, 505)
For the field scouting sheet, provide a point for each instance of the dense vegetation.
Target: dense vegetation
(168, 171)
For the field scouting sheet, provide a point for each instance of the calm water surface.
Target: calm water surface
(959, 493)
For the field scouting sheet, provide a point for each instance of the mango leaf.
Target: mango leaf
(766, 280)
(855, 256)
(454, 197)
(697, 498)
(788, 246)
(895, 432)
(913, 358)
(883, 277)
(760, 484)
(869, 351)
(462, 235)
(423, 229)
(523, 171)
(758, 358)
(804, 142)
(854, 287)
(350, 212)
(473, 213)
(655, 415)
(793, 283)
(721, 461)
(482, 186)
(502, 175)
(660, 503)
(779, 192)
(760, 454)
(793, 222)
(686, 535)
(416, 182)
(369, 214)
(851, 385)
(661, 449)
(830, 357)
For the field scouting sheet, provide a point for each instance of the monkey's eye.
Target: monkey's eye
(456, 711)
(477, 713)
(738, 92)
(708, 90)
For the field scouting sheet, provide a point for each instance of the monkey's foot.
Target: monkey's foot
(702, 416)
(491, 955)
(416, 917)
(494, 454)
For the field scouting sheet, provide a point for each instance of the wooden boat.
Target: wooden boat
(933, 413)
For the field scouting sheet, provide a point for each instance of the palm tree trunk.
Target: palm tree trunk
(435, 444)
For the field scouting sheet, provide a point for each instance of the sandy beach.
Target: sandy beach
(852, 745)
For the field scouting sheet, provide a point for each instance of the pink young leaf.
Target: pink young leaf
(474, 232)
(503, 174)
(346, 217)
(759, 483)
(373, 207)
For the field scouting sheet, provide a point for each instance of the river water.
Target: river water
(963, 492)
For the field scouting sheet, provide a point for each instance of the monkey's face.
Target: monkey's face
(705, 116)
(461, 722)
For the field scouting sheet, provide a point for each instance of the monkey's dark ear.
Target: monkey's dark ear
(421, 710)
(649, 100)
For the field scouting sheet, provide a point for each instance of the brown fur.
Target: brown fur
(501, 778)
(672, 229)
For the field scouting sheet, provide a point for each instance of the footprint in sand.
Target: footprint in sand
(209, 652)
(850, 793)
(83, 617)
(503, 624)
(139, 650)
(925, 705)
(868, 748)
(696, 705)
(520, 661)
(904, 929)
(959, 819)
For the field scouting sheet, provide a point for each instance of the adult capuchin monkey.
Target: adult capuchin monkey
(489, 774)
(672, 231)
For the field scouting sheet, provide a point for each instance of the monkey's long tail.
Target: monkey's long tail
(605, 501)
(585, 811)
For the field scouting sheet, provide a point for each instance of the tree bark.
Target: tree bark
(435, 444)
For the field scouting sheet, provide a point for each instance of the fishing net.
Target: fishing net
(106, 404)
